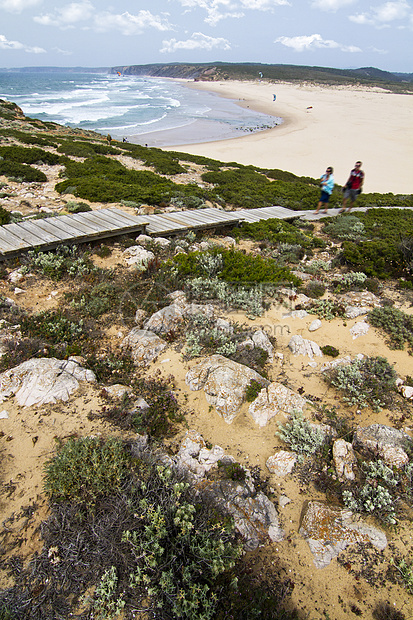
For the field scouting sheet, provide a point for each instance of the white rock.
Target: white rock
(295, 314)
(274, 399)
(300, 346)
(4, 415)
(316, 324)
(359, 329)
(43, 380)
(344, 459)
(406, 391)
(282, 463)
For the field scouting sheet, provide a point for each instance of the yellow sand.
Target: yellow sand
(323, 126)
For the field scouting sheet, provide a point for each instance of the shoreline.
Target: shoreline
(322, 126)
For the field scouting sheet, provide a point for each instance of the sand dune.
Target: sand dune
(323, 126)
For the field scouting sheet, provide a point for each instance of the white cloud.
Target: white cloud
(314, 41)
(196, 41)
(381, 15)
(77, 12)
(17, 6)
(331, 5)
(5, 44)
(67, 16)
(62, 52)
(222, 9)
(129, 24)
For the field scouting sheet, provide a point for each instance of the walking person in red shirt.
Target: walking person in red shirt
(353, 187)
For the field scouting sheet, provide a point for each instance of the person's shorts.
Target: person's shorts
(324, 197)
(351, 193)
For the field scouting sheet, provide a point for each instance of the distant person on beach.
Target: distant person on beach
(327, 186)
(109, 138)
(353, 187)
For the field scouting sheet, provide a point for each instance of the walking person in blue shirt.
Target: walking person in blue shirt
(327, 186)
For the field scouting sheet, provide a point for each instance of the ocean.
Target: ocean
(142, 110)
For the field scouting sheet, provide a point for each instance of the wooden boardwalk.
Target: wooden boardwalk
(48, 233)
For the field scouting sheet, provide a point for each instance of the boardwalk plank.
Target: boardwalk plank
(36, 227)
(10, 239)
(7, 244)
(56, 228)
(19, 230)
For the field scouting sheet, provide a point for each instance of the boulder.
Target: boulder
(43, 380)
(274, 399)
(224, 383)
(359, 329)
(300, 346)
(281, 463)
(387, 442)
(344, 459)
(328, 531)
(145, 346)
(352, 312)
(137, 256)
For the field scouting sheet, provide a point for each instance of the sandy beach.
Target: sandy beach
(322, 126)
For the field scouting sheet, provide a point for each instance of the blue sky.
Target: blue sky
(96, 33)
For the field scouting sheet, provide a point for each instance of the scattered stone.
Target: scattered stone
(117, 390)
(224, 383)
(274, 399)
(359, 329)
(300, 346)
(4, 415)
(316, 324)
(164, 243)
(339, 362)
(406, 391)
(258, 339)
(328, 531)
(43, 380)
(295, 314)
(145, 346)
(387, 442)
(140, 316)
(283, 500)
(143, 239)
(344, 459)
(18, 291)
(352, 312)
(361, 299)
(137, 256)
(16, 276)
(282, 463)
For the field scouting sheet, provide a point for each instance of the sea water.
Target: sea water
(130, 107)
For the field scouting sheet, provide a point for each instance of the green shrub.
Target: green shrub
(384, 252)
(327, 309)
(300, 436)
(253, 389)
(178, 554)
(85, 468)
(77, 207)
(314, 289)
(203, 337)
(351, 280)
(158, 418)
(328, 349)
(396, 324)
(64, 261)
(233, 471)
(21, 172)
(54, 327)
(5, 216)
(277, 231)
(111, 367)
(23, 155)
(369, 381)
(345, 227)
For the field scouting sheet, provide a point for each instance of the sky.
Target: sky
(95, 33)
